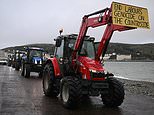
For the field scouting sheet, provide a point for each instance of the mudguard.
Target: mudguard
(55, 65)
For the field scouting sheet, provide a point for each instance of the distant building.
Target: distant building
(123, 57)
(117, 57)
(106, 57)
(113, 56)
(3, 54)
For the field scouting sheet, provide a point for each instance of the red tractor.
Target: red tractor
(76, 69)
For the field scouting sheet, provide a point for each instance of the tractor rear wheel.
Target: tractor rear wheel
(70, 92)
(115, 95)
(22, 69)
(17, 67)
(27, 71)
(50, 87)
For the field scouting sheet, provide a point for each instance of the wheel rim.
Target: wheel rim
(46, 81)
(65, 92)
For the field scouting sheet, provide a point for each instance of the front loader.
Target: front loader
(76, 70)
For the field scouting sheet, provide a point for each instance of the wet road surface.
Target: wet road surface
(22, 96)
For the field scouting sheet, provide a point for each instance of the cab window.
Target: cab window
(60, 50)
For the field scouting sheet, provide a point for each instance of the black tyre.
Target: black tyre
(27, 71)
(50, 87)
(116, 93)
(13, 65)
(40, 74)
(9, 64)
(17, 67)
(22, 69)
(70, 92)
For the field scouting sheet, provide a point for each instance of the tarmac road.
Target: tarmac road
(22, 96)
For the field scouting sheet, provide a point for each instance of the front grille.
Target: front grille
(97, 74)
(99, 85)
(38, 61)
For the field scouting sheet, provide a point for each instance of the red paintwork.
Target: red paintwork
(86, 23)
(87, 63)
(93, 22)
(91, 63)
(56, 66)
(83, 64)
(85, 72)
(98, 79)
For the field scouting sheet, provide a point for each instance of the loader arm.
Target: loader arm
(104, 18)
(110, 28)
(89, 22)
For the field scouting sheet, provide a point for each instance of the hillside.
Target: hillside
(138, 51)
(47, 47)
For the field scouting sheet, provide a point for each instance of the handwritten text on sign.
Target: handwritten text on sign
(127, 15)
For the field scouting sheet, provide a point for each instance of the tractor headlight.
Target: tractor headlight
(91, 70)
(35, 61)
(40, 61)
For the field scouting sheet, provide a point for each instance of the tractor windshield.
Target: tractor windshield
(88, 49)
(35, 53)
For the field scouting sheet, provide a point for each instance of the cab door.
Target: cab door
(59, 54)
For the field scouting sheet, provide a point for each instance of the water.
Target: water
(142, 71)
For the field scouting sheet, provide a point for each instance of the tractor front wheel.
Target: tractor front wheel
(115, 94)
(70, 92)
(50, 87)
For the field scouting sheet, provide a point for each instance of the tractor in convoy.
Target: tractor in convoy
(32, 61)
(9, 59)
(76, 71)
(16, 59)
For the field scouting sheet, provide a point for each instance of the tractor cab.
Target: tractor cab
(88, 48)
(65, 47)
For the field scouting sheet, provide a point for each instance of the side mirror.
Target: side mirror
(58, 42)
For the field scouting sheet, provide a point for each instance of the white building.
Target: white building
(106, 57)
(124, 57)
(3, 54)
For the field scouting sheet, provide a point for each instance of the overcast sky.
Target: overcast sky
(38, 21)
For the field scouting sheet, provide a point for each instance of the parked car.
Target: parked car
(3, 61)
